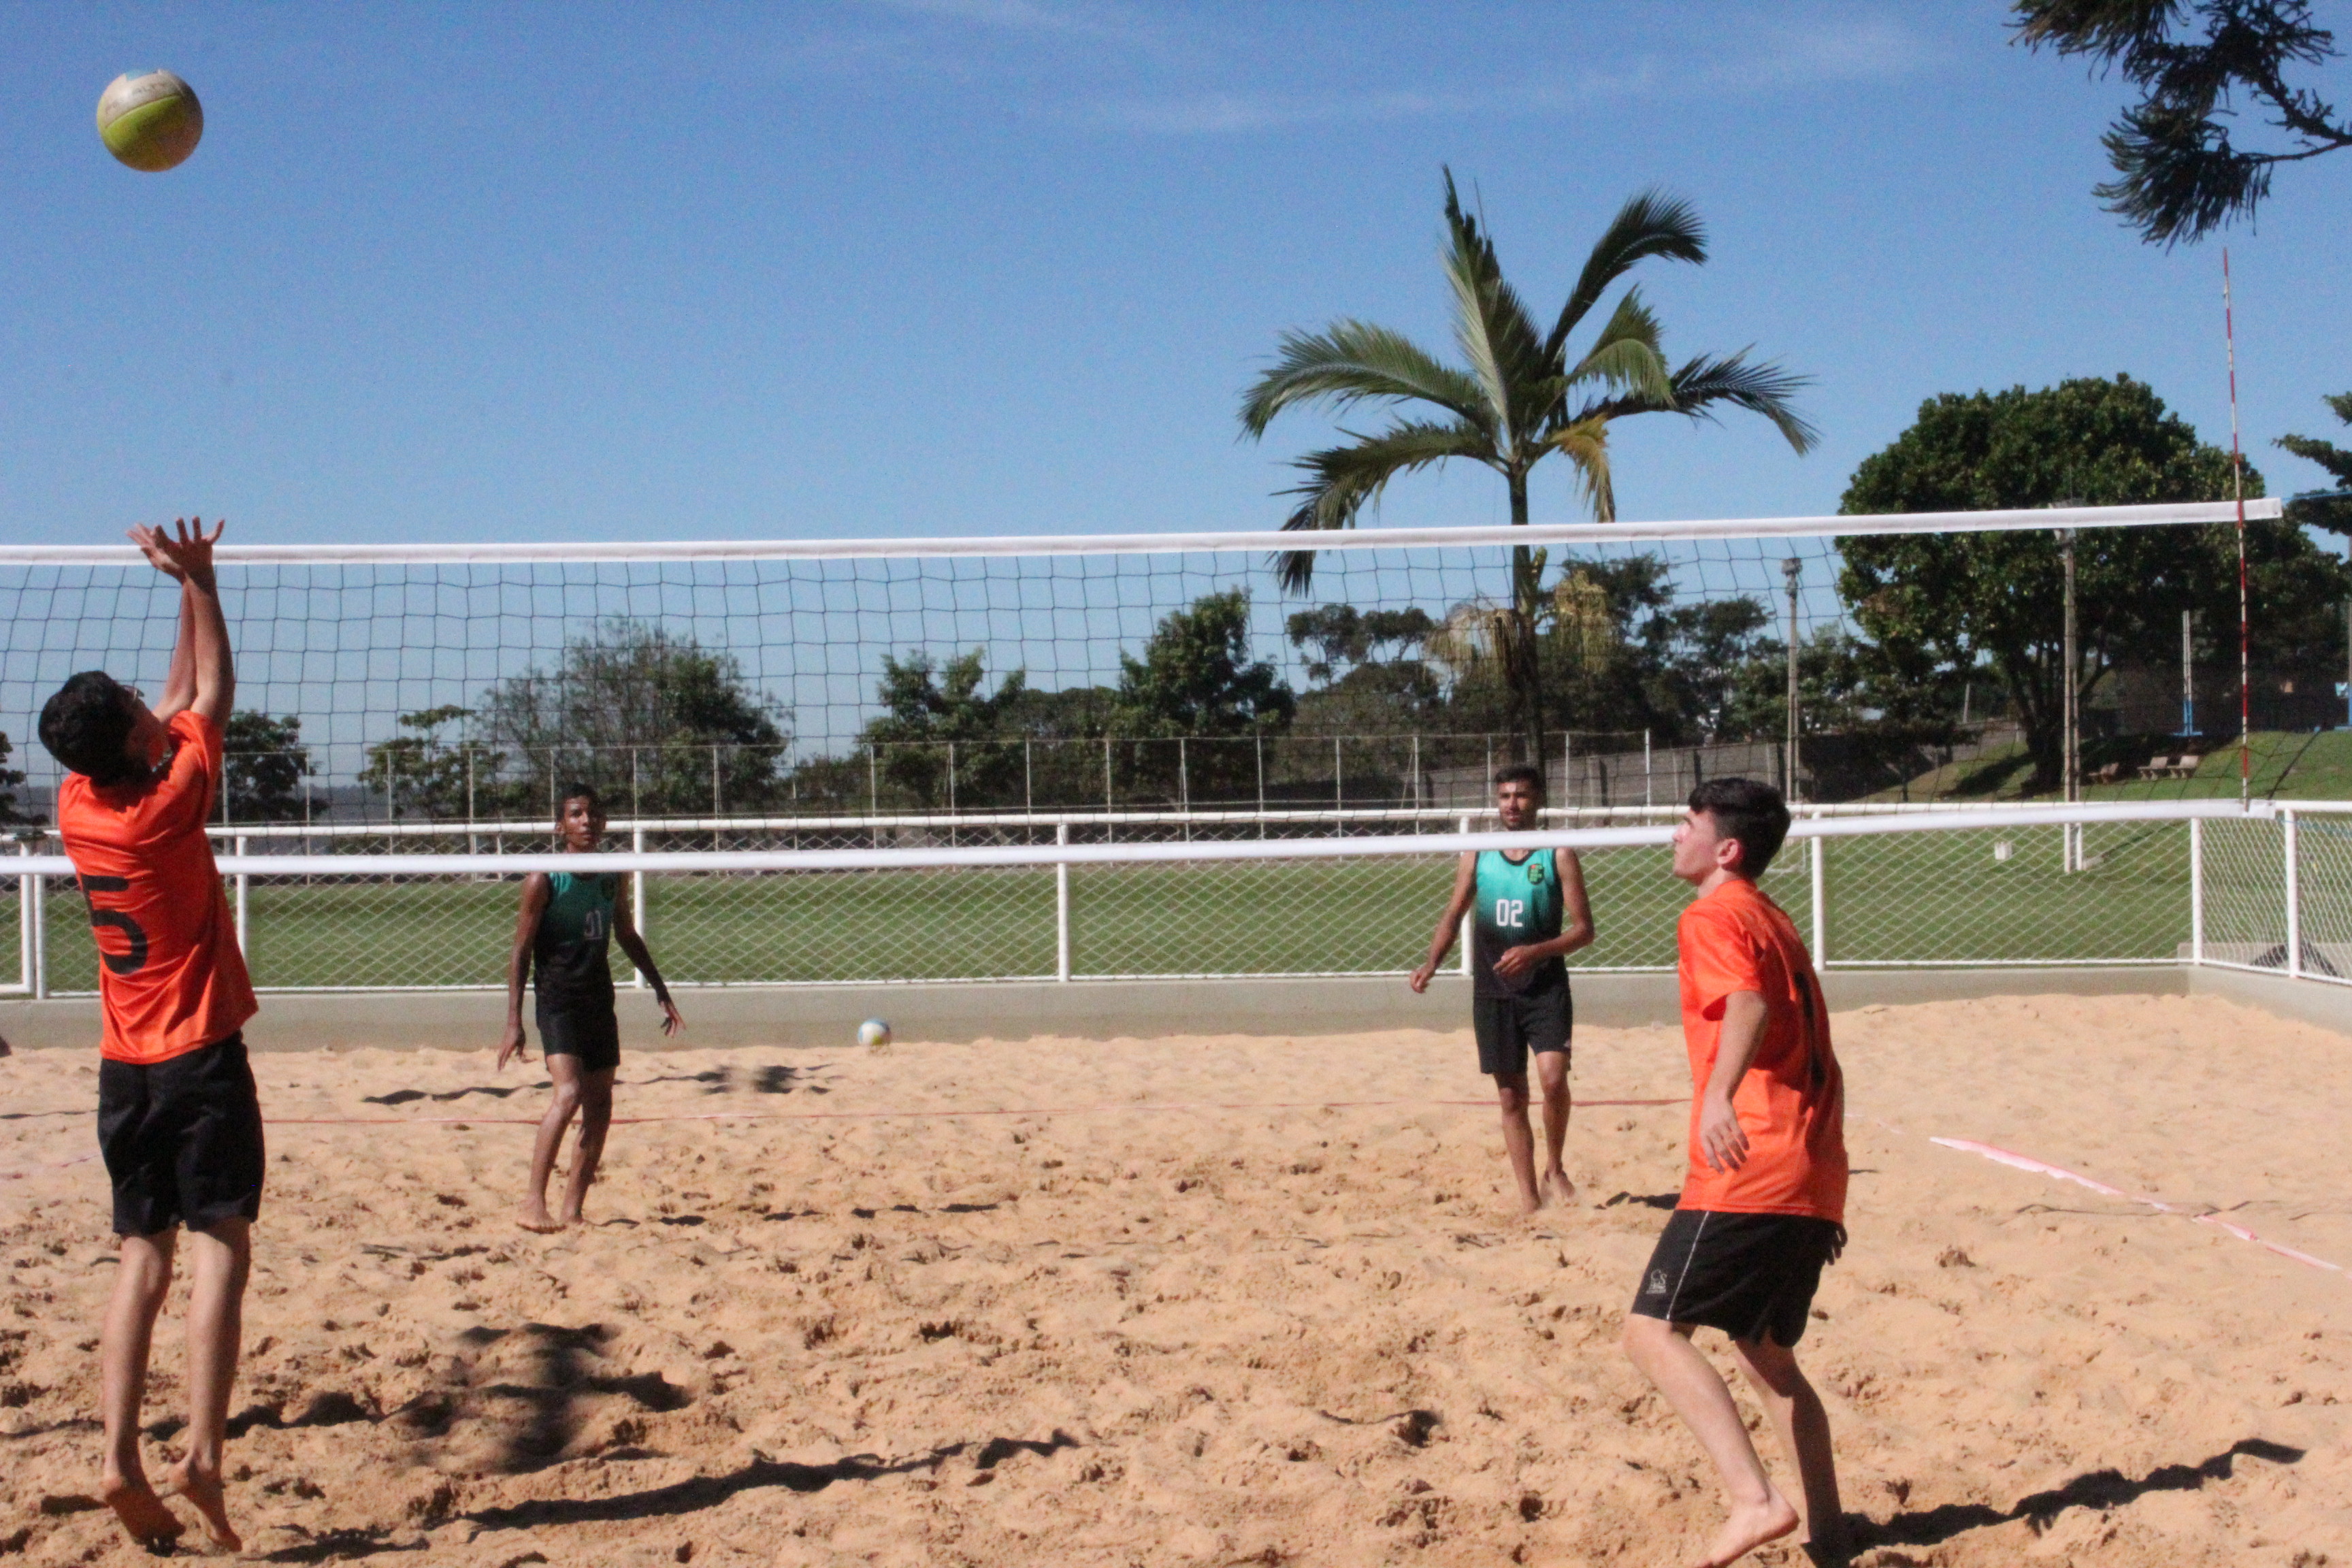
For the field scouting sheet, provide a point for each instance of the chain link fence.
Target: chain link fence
(2263, 892)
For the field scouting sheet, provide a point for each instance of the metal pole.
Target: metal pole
(25, 919)
(1791, 569)
(1338, 786)
(637, 887)
(1184, 782)
(1062, 906)
(244, 899)
(2188, 672)
(2294, 895)
(473, 840)
(951, 790)
(1028, 775)
(1821, 905)
(2238, 490)
(1106, 790)
(1419, 795)
(1261, 783)
(2071, 784)
(2196, 890)
(1568, 766)
(1649, 780)
(714, 779)
(1467, 926)
(40, 918)
(873, 786)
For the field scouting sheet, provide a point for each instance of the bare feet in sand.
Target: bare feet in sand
(1559, 1192)
(1749, 1527)
(144, 1518)
(534, 1216)
(204, 1491)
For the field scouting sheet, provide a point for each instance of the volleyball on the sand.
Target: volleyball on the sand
(874, 1032)
(150, 121)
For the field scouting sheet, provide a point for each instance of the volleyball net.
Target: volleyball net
(1125, 755)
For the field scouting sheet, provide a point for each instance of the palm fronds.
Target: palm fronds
(1351, 361)
(1651, 224)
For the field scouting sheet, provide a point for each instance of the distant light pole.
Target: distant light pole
(1790, 570)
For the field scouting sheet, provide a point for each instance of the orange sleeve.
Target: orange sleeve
(186, 797)
(1719, 957)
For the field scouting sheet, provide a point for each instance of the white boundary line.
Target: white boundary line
(1571, 534)
(2042, 1168)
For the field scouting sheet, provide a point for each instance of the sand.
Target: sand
(1229, 1332)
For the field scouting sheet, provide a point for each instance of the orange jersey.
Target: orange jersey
(1791, 1103)
(171, 978)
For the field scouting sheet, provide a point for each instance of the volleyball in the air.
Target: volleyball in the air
(150, 121)
(873, 1033)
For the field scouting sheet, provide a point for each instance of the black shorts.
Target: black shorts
(590, 1033)
(182, 1139)
(1746, 1274)
(1508, 1027)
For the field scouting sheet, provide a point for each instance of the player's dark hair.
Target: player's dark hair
(1520, 773)
(85, 725)
(1749, 812)
(573, 791)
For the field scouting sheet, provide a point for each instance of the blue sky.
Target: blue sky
(1004, 265)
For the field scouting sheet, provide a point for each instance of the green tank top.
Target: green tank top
(1517, 902)
(570, 961)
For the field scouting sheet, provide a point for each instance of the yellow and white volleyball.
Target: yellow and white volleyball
(874, 1034)
(150, 121)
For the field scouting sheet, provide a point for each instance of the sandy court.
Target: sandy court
(1178, 1323)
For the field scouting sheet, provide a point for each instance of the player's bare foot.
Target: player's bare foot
(144, 1518)
(204, 1491)
(1559, 1192)
(534, 1216)
(1749, 1527)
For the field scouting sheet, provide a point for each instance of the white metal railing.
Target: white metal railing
(2267, 888)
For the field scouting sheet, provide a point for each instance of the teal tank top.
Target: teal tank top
(1517, 902)
(570, 963)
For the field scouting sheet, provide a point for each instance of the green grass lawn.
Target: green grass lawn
(1946, 897)
(2286, 765)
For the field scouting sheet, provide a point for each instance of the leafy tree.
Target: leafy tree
(1196, 680)
(2332, 512)
(422, 774)
(638, 710)
(931, 706)
(11, 781)
(1343, 634)
(1369, 678)
(263, 765)
(1989, 605)
(2179, 175)
(1522, 398)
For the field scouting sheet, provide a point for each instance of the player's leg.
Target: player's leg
(1552, 1077)
(564, 1070)
(1503, 1057)
(595, 1121)
(1803, 1427)
(1689, 1384)
(219, 1260)
(142, 1280)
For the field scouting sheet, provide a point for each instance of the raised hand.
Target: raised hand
(185, 553)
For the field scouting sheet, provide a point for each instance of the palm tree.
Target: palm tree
(1520, 400)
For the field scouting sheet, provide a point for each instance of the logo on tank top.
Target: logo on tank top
(1535, 871)
(1657, 1285)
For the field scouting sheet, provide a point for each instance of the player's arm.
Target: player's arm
(209, 684)
(1449, 924)
(1720, 1136)
(537, 890)
(624, 931)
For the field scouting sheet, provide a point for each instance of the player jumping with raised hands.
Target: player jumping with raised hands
(178, 1121)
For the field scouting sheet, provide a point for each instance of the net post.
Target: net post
(25, 918)
(1820, 902)
(2291, 838)
(637, 895)
(37, 911)
(243, 900)
(1464, 939)
(1062, 905)
(2196, 890)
